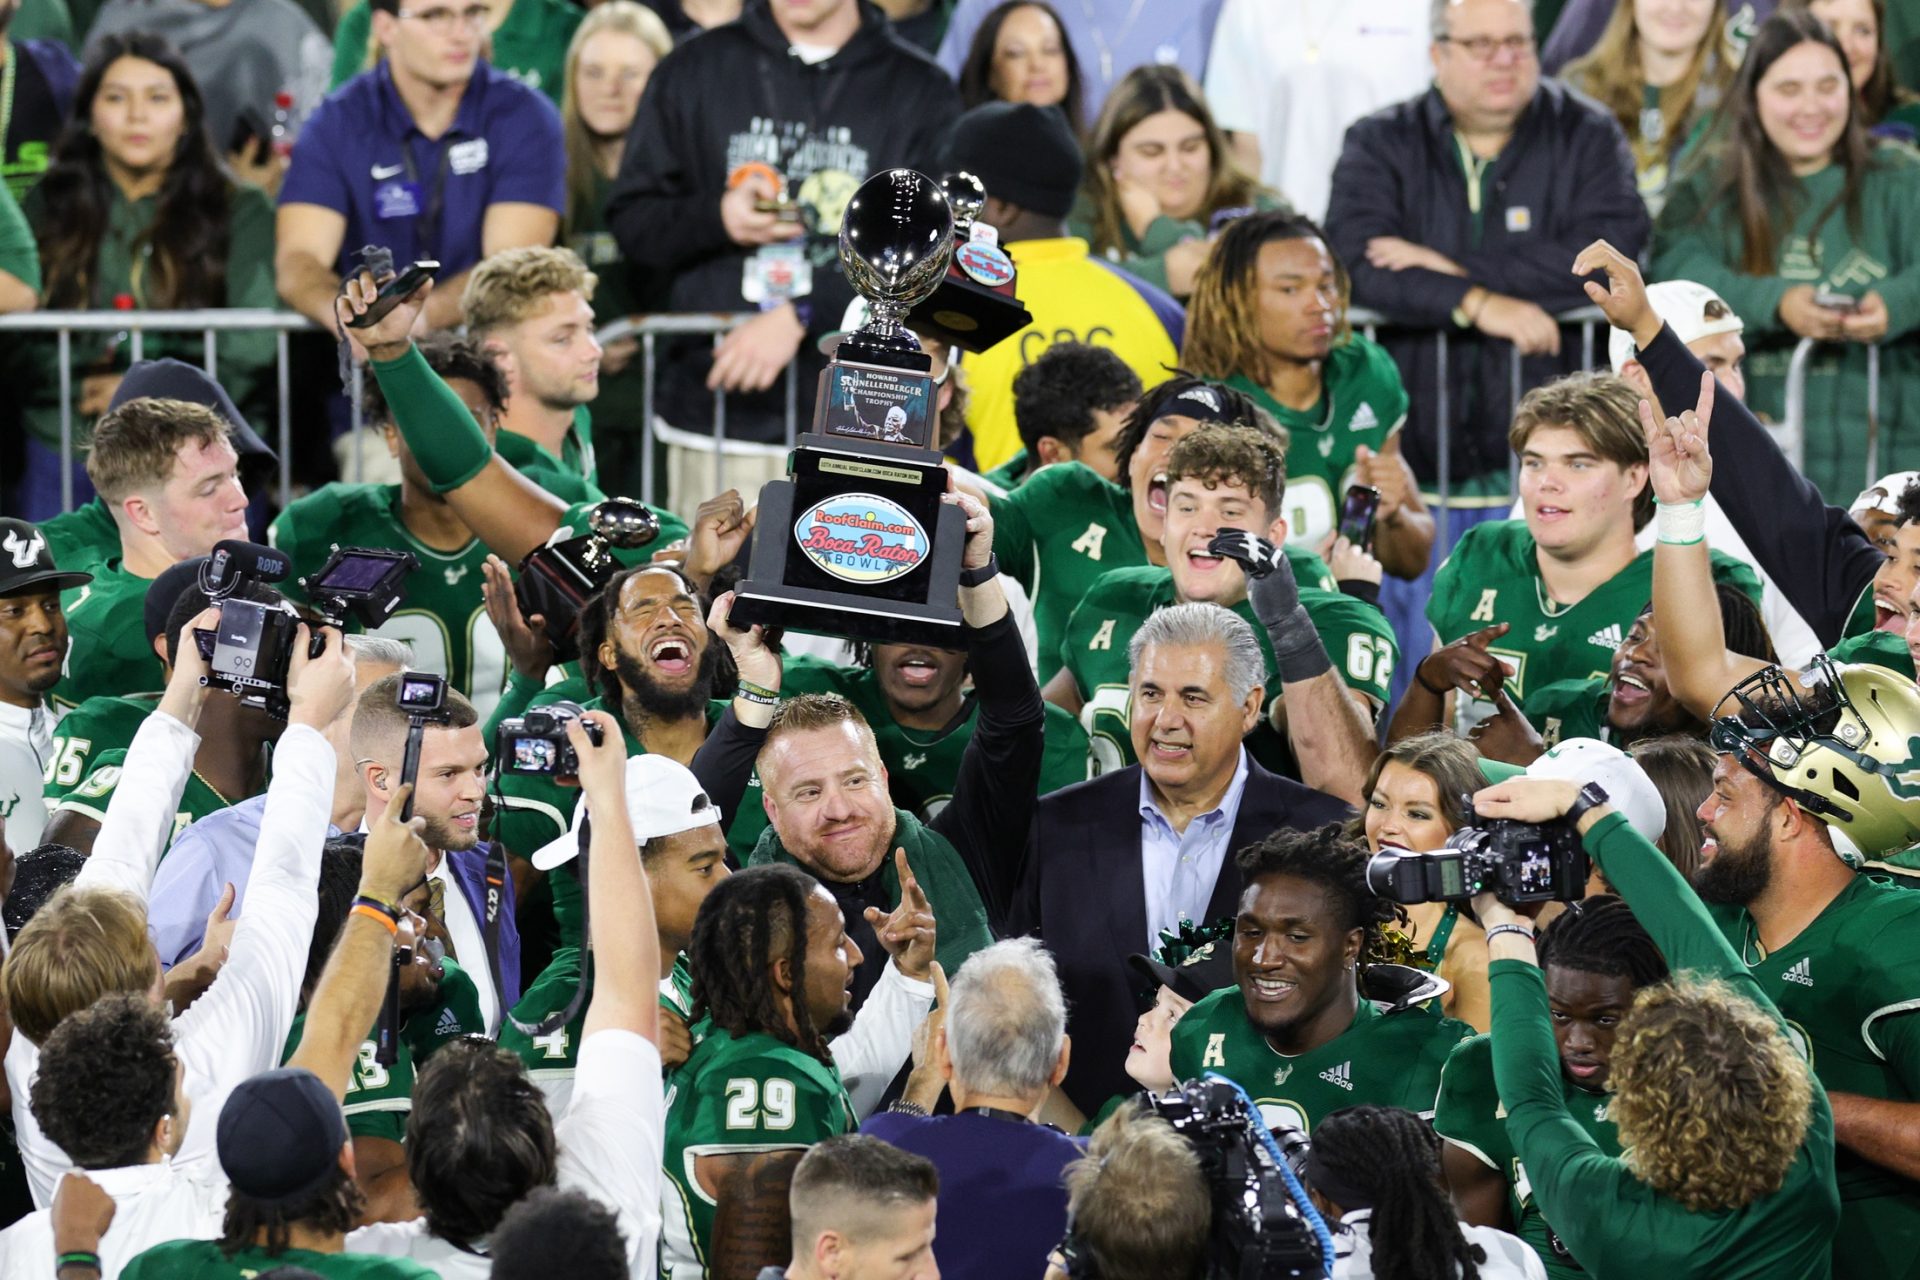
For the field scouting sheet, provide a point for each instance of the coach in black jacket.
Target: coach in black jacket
(822, 95)
(1462, 208)
(1115, 860)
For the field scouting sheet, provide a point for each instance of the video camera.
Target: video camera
(1259, 1231)
(1517, 861)
(250, 653)
(537, 741)
(557, 580)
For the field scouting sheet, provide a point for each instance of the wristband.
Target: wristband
(1520, 929)
(378, 916)
(1680, 524)
(77, 1258)
(391, 910)
(984, 574)
(1361, 589)
(1422, 681)
(756, 692)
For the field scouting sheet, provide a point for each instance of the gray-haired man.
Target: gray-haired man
(1113, 862)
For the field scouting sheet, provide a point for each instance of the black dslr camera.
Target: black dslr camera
(250, 653)
(557, 580)
(1259, 1232)
(1517, 861)
(537, 741)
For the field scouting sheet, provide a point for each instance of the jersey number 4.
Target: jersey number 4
(759, 1104)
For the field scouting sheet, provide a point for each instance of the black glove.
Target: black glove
(1297, 652)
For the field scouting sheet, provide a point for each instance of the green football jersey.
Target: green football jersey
(921, 764)
(442, 615)
(1470, 1115)
(1876, 649)
(1361, 403)
(203, 1260)
(1390, 1060)
(96, 725)
(1012, 473)
(1569, 709)
(1357, 636)
(108, 654)
(95, 793)
(743, 1095)
(1056, 535)
(552, 1058)
(569, 478)
(1493, 576)
(83, 537)
(380, 1095)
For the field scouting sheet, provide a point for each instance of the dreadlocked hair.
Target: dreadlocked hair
(750, 920)
(1223, 315)
(1393, 1156)
(596, 623)
(1600, 935)
(1337, 863)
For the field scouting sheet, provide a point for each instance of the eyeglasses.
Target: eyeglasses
(443, 21)
(1482, 48)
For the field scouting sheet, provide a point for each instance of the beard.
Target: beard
(838, 1025)
(656, 700)
(440, 833)
(1737, 874)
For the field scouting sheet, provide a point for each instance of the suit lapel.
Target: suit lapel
(1262, 812)
(1118, 865)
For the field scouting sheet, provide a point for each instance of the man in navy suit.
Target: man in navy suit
(1113, 862)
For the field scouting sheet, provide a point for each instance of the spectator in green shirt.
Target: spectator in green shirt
(1892, 110)
(528, 42)
(19, 259)
(136, 212)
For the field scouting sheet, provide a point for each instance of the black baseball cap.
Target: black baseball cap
(1202, 973)
(165, 591)
(171, 379)
(26, 561)
(280, 1136)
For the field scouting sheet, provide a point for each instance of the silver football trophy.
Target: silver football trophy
(856, 541)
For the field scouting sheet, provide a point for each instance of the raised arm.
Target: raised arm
(1686, 610)
(626, 948)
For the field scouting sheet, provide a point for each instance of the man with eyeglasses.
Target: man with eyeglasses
(434, 154)
(1459, 210)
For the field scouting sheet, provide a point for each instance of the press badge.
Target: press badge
(777, 273)
(396, 200)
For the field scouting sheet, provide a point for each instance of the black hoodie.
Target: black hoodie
(739, 94)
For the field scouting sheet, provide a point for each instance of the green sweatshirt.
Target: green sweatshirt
(1145, 256)
(244, 357)
(1883, 258)
(19, 256)
(1611, 1220)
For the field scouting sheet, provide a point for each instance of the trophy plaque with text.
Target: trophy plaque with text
(856, 541)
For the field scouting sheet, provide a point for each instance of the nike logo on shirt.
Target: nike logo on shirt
(382, 172)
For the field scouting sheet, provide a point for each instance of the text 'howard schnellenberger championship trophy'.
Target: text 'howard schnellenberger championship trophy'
(856, 541)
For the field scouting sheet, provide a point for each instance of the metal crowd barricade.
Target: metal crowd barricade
(1791, 432)
(64, 324)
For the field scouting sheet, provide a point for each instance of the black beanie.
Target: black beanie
(1026, 155)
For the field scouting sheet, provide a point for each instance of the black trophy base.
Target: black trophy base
(787, 587)
(966, 314)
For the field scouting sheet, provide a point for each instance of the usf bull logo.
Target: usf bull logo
(25, 551)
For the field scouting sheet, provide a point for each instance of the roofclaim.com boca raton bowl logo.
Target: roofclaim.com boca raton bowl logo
(861, 537)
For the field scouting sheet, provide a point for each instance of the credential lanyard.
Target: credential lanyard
(426, 224)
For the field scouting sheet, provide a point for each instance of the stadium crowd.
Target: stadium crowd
(1424, 681)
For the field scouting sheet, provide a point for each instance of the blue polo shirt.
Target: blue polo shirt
(361, 156)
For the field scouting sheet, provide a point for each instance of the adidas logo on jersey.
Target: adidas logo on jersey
(1801, 972)
(1363, 419)
(1341, 1075)
(449, 1023)
(1607, 637)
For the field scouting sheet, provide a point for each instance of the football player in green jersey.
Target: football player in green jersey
(1069, 406)
(1067, 525)
(1268, 317)
(531, 308)
(1567, 580)
(773, 968)
(1594, 957)
(442, 615)
(169, 473)
(1217, 478)
(1294, 1031)
(507, 510)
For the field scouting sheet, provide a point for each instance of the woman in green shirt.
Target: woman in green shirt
(1892, 111)
(1809, 229)
(608, 64)
(1158, 171)
(137, 213)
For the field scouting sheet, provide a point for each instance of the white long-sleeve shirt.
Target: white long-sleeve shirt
(239, 1026)
(153, 1203)
(26, 745)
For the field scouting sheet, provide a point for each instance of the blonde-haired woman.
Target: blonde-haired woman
(611, 57)
(1158, 170)
(1660, 67)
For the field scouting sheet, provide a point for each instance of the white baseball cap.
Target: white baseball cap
(1683, 305)
(1883, 495)
(663, 799)
(1627, 785)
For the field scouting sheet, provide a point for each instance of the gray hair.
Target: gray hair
(381, 651)
(1198, 623)
(1437, 16)
(1006, 1019)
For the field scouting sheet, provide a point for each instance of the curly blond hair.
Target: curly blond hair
(515, 283)
(1711, 1100)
